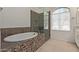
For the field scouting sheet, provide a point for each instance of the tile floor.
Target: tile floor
(58, 46)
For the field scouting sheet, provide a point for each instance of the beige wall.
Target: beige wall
(67, 36)
(16, 16)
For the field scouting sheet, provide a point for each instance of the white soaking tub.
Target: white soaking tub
(20, 37)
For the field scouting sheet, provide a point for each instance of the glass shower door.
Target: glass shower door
(47, 24)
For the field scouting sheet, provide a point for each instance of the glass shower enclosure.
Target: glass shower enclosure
(40, 22)
(47, 24)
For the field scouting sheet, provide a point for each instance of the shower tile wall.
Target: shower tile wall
(41, 22)
(34, 21)
(37, 22)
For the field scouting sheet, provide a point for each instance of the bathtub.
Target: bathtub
(20, 37)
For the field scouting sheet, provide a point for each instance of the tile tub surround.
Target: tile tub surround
(11, 31)
(29, 45)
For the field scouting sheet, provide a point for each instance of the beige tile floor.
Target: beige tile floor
(58, 46)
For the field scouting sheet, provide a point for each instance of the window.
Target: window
(61, 19)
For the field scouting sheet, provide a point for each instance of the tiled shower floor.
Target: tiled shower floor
(58, 46)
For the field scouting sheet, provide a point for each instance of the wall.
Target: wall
(64, 35)
(16, 16)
